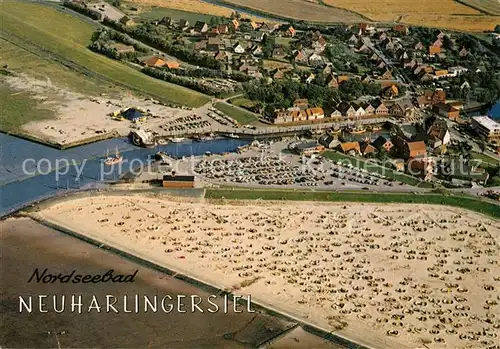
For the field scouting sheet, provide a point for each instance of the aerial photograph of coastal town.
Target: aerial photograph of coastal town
(272, 174)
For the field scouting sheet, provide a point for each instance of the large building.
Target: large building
(486, 127)
(178, 182)
(308, 148)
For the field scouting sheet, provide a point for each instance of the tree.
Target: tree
(497, 29)
(116, 3)
(482, 146)
(447, 43)
(495, 181)
(268, 45)
(382, 154)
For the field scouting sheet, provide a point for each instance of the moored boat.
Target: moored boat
(111, 160)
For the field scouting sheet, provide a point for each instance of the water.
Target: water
(26, 245)
(17, 188)
(494, 112)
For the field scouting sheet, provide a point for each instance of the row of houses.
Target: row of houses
(293, 115)
(345, 111)
(396, 145)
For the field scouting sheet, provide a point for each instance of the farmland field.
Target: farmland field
(34, 25)
(299, 10)
(446, 13)
(193, 6)
(160, 12)
(491, 7)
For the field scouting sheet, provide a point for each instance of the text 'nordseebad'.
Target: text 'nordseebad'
(48, 278)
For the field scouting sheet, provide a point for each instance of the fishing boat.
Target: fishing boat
(207, 138)
(202, 138)
(176, 139)
(111, 160)
(373, 128)
(142, 138)
(162, 141)
(232, 135)
(336, 130)
(358, 129)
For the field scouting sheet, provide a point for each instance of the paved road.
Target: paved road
(284, 130)
(379, 53)
(383, 57)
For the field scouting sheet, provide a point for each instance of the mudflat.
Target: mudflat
(27, 245)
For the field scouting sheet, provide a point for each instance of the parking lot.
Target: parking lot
(270, 165)
(189, 123)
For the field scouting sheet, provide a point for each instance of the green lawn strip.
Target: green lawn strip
(42, 25)
(461, 201)
(240, 115)
(486, 161)
(18, 109)
(242, 102)
(371, 167)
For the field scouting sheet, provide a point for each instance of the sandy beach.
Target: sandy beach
(387, 276)
(80, 117)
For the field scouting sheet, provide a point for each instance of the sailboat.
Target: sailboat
(111, 160)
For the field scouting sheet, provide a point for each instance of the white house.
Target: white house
(238, 48)
(360, 112)
(315, 59)
(457, 70)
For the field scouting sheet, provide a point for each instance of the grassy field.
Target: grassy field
(43, 26)
(273, 64)
(446, 13)
(243, 102)
(280, 40)
(486, 161)
(299, 10)
(466, 202)
(18, 109)
(20, 61)
(374, 168)
(242, 116)
(491, 7)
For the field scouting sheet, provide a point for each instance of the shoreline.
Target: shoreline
(206, 285)
(55, 145)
